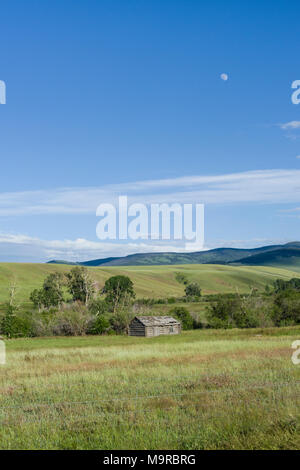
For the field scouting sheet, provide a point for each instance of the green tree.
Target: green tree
(99, 325)
(80, 285)
(220, 314)
(240, 311)
(9, 320)
(98, 307)
(119, 291)
(280, 285)
(267, 289)
(287, 308)
(53, 289)
(193, 290)
(37, 298)
(181, 278)
(184, 317)
(121, 319)
(51, 294)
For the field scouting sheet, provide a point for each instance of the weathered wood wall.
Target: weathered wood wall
(136, 328)
(162, 330)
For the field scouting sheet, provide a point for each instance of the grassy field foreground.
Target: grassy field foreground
(234, 389)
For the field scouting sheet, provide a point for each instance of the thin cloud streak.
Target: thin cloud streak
(23, 247)
(20, 247)
(261, 186)
(290, 125)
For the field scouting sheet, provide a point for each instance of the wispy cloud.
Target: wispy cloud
(293, 212)
(20, 247)
(261, 186)
(290, 125)
(294, 209)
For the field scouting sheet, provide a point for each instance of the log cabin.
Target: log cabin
(154, 326)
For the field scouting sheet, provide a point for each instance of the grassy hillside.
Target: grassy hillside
(213, 389)
(283, 257)
(215, 256)
(287, 256)
(219, 255)
(149, 281)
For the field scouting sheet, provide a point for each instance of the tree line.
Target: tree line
(74, 304)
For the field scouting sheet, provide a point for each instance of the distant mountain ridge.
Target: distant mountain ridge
(271, 255)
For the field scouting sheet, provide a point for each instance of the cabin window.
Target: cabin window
(171, 329)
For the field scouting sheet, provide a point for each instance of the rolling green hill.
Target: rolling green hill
(283, 257)
(253, 256)
(149, 281)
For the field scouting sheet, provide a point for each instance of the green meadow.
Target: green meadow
(203, 389)
(149, 281)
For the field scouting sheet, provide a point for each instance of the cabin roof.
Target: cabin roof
(157, 321)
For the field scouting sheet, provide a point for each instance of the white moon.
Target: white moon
(224, 76)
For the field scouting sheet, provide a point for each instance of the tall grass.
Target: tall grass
(203, 389)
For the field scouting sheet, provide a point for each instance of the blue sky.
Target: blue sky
(102, 95)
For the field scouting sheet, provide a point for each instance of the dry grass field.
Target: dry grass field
(204, 389)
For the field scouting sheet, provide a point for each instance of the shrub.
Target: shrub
(160, 301)
(14, 326)
(70, 322)
(184, 316)
(287, 308)
(181, 278)
(99, 325)
(121, 318)
(220, 313)
(143, 301)
(193, 290)
(98, 307)
(280, 285)
(240, 312)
